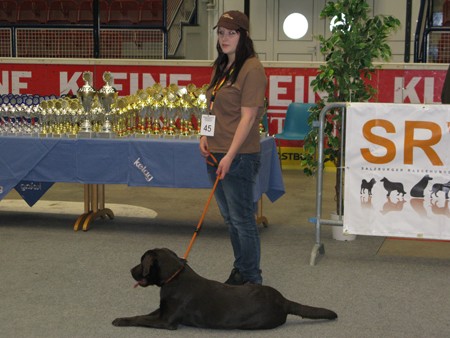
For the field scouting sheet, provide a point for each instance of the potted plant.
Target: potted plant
(355, 42)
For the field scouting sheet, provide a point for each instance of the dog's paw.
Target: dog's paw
(121, 322)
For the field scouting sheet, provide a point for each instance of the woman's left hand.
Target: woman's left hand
(204, 146)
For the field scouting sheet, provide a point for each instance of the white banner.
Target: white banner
(397, 170)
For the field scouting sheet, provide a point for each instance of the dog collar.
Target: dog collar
(168, 280)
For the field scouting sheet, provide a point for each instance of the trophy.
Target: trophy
(171, 108)
(142, 99)
(156, 109)
(73, 117)
(121, 125)
(200, 107)
(107, 96)
(86, 96)
(186, 112)
(59, 111)
(43, 119)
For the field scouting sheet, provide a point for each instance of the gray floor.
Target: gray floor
(55, 282)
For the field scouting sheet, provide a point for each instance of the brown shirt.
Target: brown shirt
(248, 91)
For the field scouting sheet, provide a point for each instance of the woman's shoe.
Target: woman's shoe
(235, 278)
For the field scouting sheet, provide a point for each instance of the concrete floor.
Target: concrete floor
(55, 282)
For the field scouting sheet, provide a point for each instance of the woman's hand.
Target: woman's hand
(204, 146)
(224, 166)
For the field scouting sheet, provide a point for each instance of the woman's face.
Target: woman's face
(228, 40)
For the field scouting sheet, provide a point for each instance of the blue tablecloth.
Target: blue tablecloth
(169, 163)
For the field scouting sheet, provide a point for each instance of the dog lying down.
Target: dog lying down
(189, 299)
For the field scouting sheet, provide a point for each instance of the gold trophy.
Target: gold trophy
(86, 96)
(107, 95)
(74, 106)
(59, 111)
(171, 107)
(143, 112)
(185, 104)
(44, 119)
(200, 107)
(51, 118)
(156, 110)
(121, 125)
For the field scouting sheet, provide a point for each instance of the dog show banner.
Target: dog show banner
(397, 170)
(287, 81)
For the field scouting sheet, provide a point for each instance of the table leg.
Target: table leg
(87, 206)
(101, 196)
(260, 219)
(94, 206)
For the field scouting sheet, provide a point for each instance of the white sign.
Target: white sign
(397, 170)
(208, 125)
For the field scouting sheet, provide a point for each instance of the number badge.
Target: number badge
(208, 125)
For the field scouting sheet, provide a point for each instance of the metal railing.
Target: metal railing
(181, 15)
(102, 39)
(319, 247)
(432, 36)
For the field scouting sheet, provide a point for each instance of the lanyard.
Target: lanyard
(219, 85)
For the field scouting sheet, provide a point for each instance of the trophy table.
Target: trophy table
(94, 194)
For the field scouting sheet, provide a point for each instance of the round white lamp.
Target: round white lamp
(295, 26)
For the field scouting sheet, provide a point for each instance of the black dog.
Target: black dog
(391, 186)
(189, 299)
(417, 190)
(367, 186)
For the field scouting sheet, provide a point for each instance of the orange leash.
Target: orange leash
(205, 209)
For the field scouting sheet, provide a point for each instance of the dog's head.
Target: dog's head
(157, 267)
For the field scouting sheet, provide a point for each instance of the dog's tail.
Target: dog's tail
(310, 312)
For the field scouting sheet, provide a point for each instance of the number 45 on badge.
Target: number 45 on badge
(208, 124)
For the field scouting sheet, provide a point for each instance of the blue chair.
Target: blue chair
(295, 124)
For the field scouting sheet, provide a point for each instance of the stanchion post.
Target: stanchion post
(319, 248)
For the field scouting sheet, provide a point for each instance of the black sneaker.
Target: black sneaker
(253, 282)
(235, 278)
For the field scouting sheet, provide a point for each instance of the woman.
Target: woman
(236, 100)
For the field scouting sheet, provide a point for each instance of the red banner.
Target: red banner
(286, 84)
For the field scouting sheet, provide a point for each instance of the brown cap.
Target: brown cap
(233, 20)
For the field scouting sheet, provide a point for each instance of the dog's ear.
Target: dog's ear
(147, 263)
(168, 263)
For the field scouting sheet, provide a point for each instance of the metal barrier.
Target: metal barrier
(75, 42)
(5, 42)
(179, 13)
(319, 247)
(149, 30)
(437, 45)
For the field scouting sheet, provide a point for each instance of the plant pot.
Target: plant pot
(338, 231)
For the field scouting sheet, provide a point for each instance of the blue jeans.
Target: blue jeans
(234, 196)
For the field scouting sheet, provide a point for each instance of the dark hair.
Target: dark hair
(244, 50)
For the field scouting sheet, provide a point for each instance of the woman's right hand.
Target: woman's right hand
(204, 146)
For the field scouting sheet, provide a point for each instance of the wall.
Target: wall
(266, 20)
